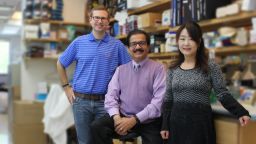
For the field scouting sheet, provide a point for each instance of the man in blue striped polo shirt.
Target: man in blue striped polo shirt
(96, 55)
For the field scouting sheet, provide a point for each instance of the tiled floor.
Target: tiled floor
(4, 139)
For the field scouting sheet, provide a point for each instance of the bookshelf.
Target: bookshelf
(222, 51)
(112, 20)
(41, 58)
(238, 20)
(121, 37)
(159, 29)
(234, 50)
(56, 26)
(47, 40)
(156, 6)
(55, 22)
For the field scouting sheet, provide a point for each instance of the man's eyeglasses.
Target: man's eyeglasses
(140, 43)
(97, 18)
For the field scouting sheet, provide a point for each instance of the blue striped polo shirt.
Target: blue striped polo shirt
(96, 61)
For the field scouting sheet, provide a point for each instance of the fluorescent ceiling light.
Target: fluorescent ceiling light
(17, 15)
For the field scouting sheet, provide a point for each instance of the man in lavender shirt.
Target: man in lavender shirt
(134, 98)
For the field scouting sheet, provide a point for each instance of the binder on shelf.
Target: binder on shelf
(187, 11)
(173, 13)
(196, 10)
(210, 6)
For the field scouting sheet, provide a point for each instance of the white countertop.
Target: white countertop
(218, 108)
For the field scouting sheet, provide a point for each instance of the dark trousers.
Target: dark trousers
(103, 131)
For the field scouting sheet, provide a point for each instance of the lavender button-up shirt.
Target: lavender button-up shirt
(137, 92)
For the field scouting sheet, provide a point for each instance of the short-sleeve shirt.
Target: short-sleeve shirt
(96, 61)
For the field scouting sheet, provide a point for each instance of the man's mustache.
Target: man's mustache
(139, 50)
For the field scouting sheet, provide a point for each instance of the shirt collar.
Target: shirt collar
(105, 38)
(140, 63)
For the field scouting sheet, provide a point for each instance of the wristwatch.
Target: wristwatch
(65, 85)
(137, 119)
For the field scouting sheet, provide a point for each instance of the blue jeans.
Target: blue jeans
(85, 111)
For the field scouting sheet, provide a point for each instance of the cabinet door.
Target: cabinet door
(226, 131)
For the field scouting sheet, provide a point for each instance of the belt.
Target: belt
(94, 97)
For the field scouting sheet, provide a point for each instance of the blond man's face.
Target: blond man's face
(99, 20)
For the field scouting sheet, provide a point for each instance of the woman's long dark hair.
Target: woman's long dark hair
(195, 33)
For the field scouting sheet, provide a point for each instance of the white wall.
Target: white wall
(34, 71)
(16, 51)
(15, 58)
(38, 70)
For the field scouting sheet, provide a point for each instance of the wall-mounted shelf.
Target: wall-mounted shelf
(111, 20)
(159, 29)
(162, 55)
(55, 22)
(156, 6)
(235, 50)
(121, 37)
(238, 20)
(41, 58)
(218, 51)
(47, 40)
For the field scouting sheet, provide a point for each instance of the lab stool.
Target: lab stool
(130, 137)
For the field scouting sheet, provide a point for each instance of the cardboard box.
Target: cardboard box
(75, 11)
(27, 112)
(149, 20)
(229, 131)
(28, 134)
(226, 131)
(16, 93)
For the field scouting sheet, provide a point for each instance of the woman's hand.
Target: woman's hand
(244, 120)
(164, 134)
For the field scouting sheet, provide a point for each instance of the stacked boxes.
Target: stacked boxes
(149, 19)
(27, 126)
